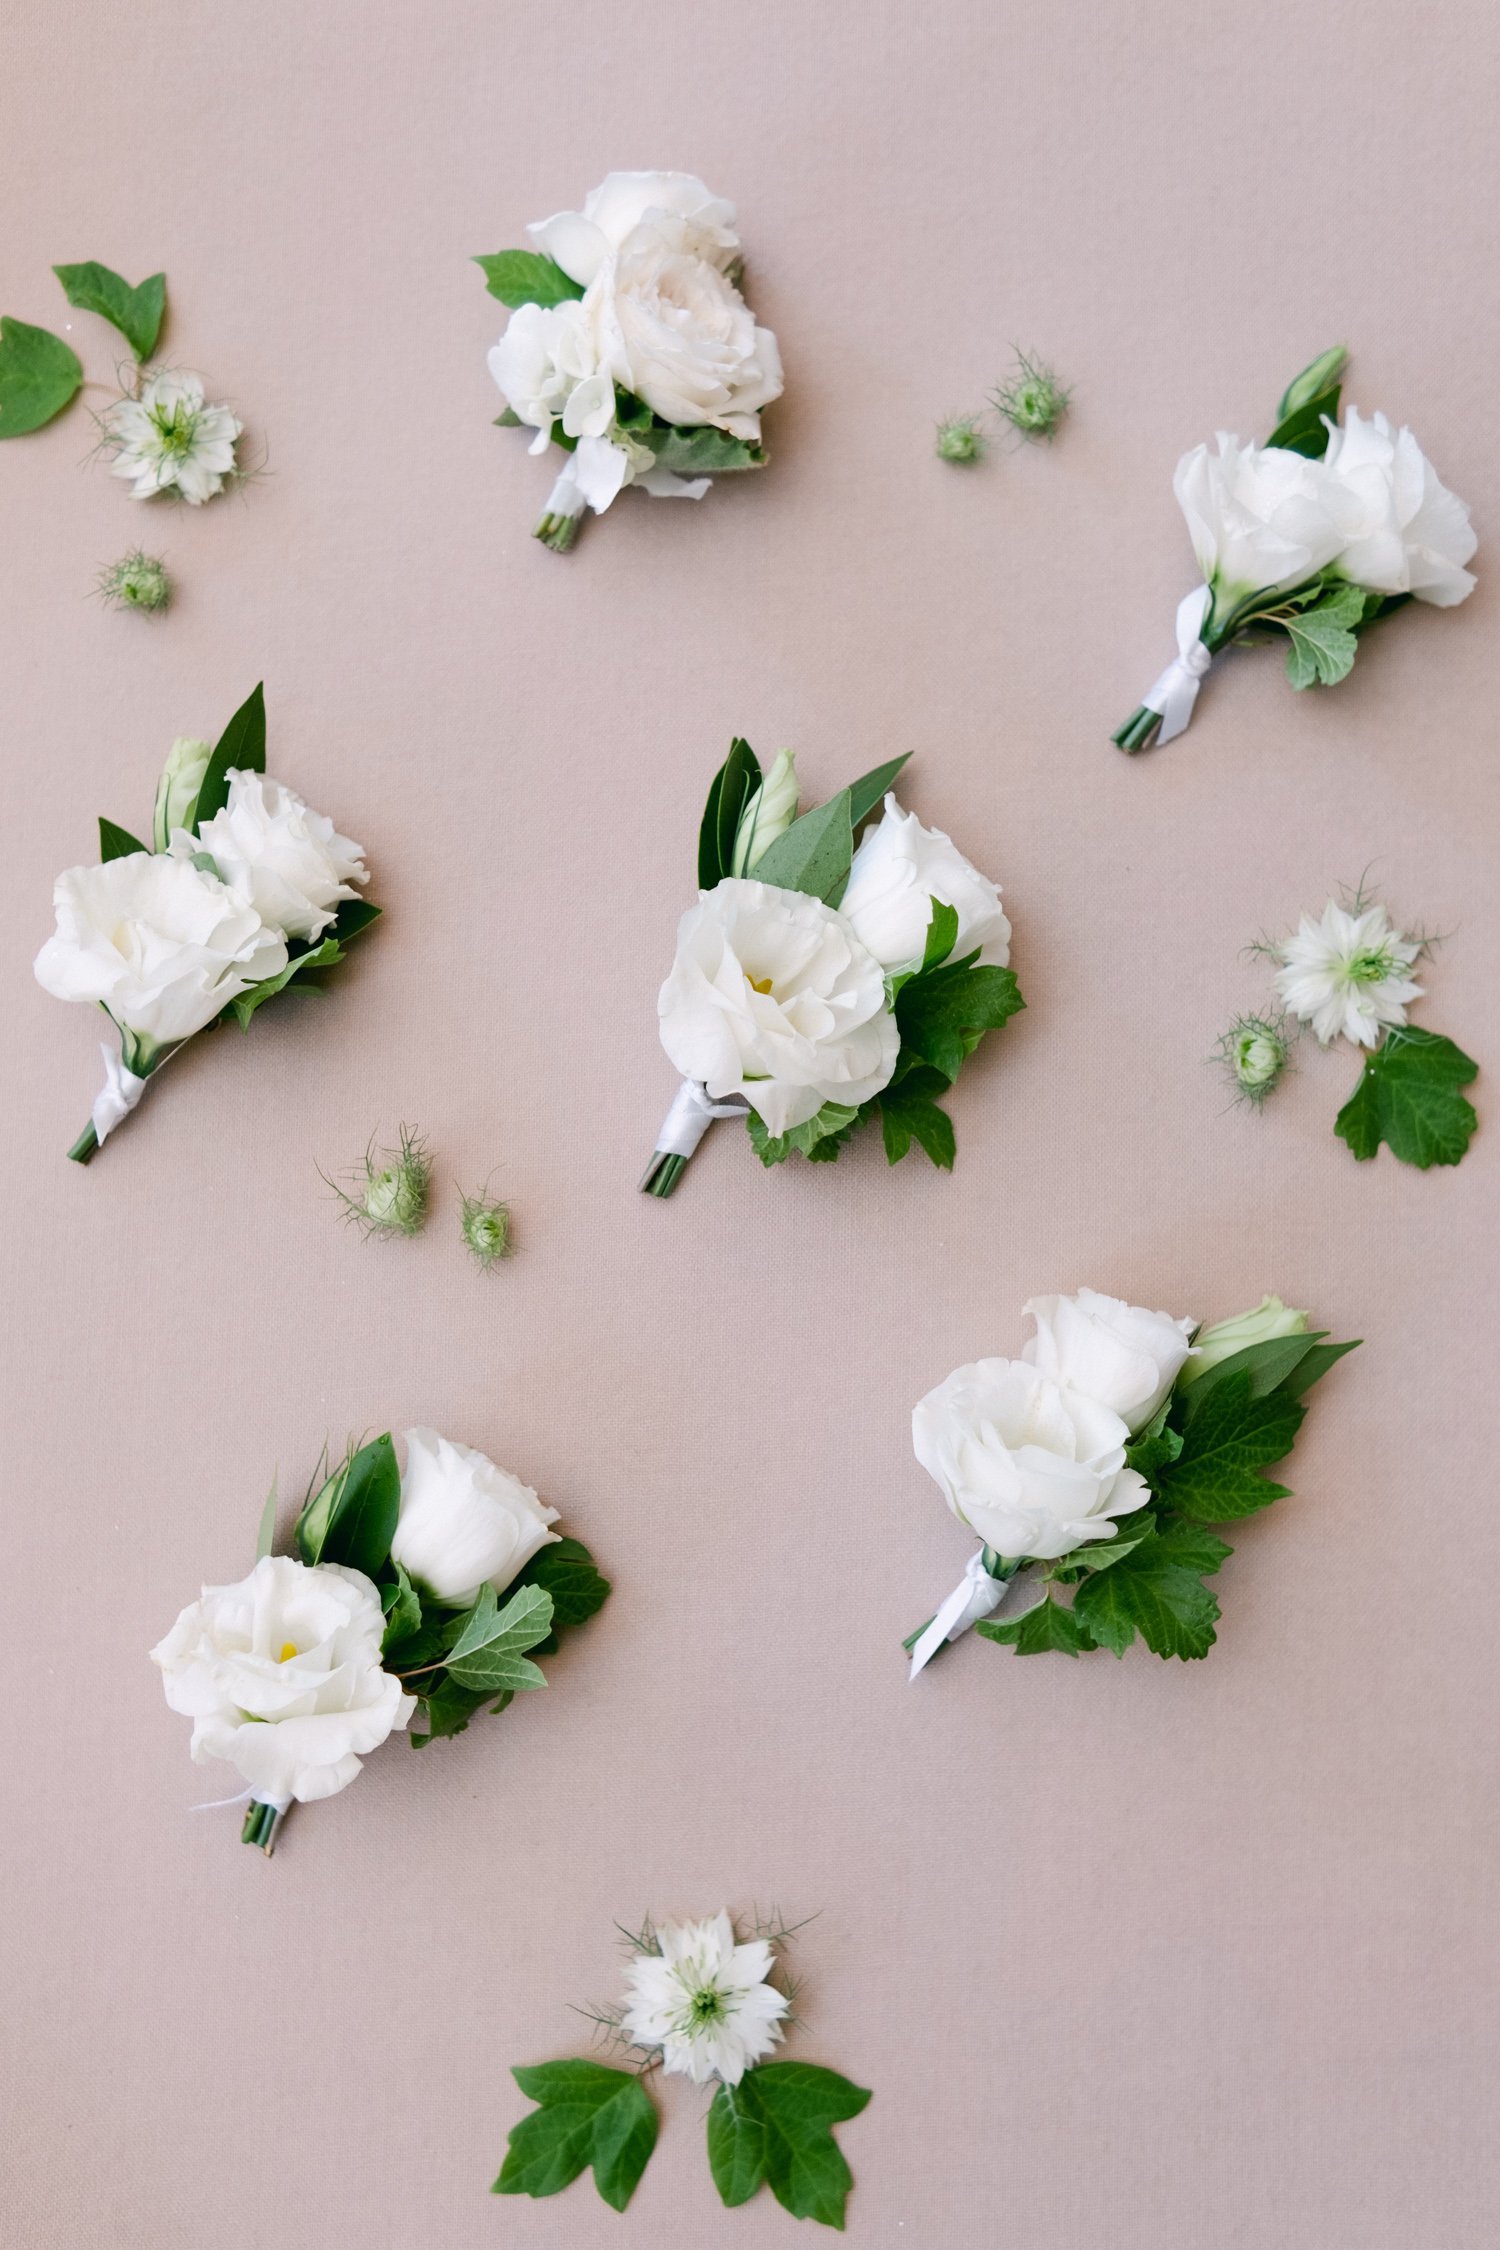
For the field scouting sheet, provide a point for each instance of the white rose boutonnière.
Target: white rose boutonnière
(242, 890)
(817, 984)
(630, 347)
(389, 1608)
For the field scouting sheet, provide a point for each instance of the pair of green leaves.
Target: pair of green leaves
(774, 2128)
(40, 374)
(1203, 1455)
(813, 855)
(1408, 1096)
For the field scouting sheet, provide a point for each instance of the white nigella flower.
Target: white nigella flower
(704, 2001)
(166, 439)
(1348, 973)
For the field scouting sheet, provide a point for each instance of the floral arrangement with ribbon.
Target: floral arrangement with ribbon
(700, 2001)
(1093, 1467)
(817, 985)
(1314, 536)
(630, 347)
(389, 1608)
(243, 891)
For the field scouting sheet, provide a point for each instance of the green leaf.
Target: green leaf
(566, 1570)
(907, 1116)
(1315, 1366)
(1230, 1437)
(819, 1140)
(137, 313)
(776, 2126)
(1304, 430)
(1408, 1097)
(38, 377)
(586, 2114)
(351, 1519)
(866, 793)
(1269, 1365)
(244, 1004)
(353, 917)
(1047, 1629)
(1323, 644)
(1155, 1448)
(526, 277)
(814, 854)
(487, 1654)
(241, 745)
(940, 1012)
(116, 842)
(266, 1537)
(447, 1710)
(1103, 1554)
(1154, 1594)
(732, 787)
(403, 1612)
(1187, 1546)
(942, 936)
(700, 450)
(1314, 381)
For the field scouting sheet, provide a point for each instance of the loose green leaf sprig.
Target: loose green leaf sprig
(1203, 1455)
(40, 374)
(943, 1007)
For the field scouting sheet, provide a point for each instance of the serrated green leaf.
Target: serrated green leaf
(1228, 1440)
(700, 450)
(1408, 1097)
(940, 1011)
(905, 1117)
(1323, 644)
(403, 1612)
(116, 842)
(587, 2114)
(39, 375)
(487, 1654)
(242, 745)
(866, 793)
(1155, 1447)
(1049, 1629)
(351, 1519)
(137, 313)
(526, 277)
(778, 2122)
(819, 1139)
(566, 1571)
(447, 1710)
(1154, 1594)
(814, 854)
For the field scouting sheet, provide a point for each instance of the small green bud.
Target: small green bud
(960, 439)
(391, 1193)
(1033, 401)
(1255, 1051)
(1324, 371)
(1270, 1318)
(769, 814)
(137, 581)
(485, 1227)
(177, 790)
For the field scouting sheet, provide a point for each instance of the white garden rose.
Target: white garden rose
(1259, 517)
(580, 241)
(549, 367)
(1034, 1468)
(289, 861)
(281, 1675)
(899, 869)
(672, 328)
(1268, 1320)
(1408, 534)
(464, 1523)
(163, 945)
(1122, 1356)
(773, 997)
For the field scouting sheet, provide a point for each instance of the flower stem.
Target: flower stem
(663, 1173)
(1139, 730)
(557, 531)
(86, 1146)
(260, 1827)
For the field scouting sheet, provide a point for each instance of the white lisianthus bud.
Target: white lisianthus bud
(769, 814)
(465, 1523)
(1270, 1318)
(177, 790)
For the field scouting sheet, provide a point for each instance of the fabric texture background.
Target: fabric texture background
(1135, 1953)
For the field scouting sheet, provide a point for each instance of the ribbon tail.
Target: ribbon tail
(1176, 691)
(976, 1595)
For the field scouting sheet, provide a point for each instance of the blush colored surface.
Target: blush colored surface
(1136, 1953)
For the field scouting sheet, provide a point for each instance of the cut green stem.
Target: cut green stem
(663, 1173)
(260, 1827)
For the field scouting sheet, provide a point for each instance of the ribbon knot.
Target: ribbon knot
(976, 1595)
(1175, 693)
(118, 1095)
(691, 1114)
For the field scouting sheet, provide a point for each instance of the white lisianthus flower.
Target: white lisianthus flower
(1269, 1319)
(1348, 973)
(1120, 1355)
(1259, 517)
(1034, 1468)
(673, 329)
(549, 366)
(165, 438)
(281, 1675)
(289, 861)
(463, 1522)
(162, 945)
(1409, 534)
(580, 241)
(704, 2001)
(773, 997)
(899, 869)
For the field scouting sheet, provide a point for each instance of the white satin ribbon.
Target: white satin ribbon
(603, 472)
(976, 1595)
(690, 1116)
(118, 1096)
(245, 1797)
(1175, 693)
(666, 484)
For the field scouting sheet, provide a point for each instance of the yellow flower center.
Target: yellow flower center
(759, 984)
(288, 1648)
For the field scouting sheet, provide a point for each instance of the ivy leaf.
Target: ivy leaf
(814, 854)
(1323, 644)
(526, 277)
(1228, 1440)
(776, 2126)
(701, 450)
(587, 2114)
(351, 1519)
(941, 1011)
(39, 374)
(1152, 1592)
(116, 842)
(820, 1139)
(907, 1116)
(241, 745)
(137, 313)
(487, 1654)
(1408, 1097)
(565, 1570)
(1045, 1630)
